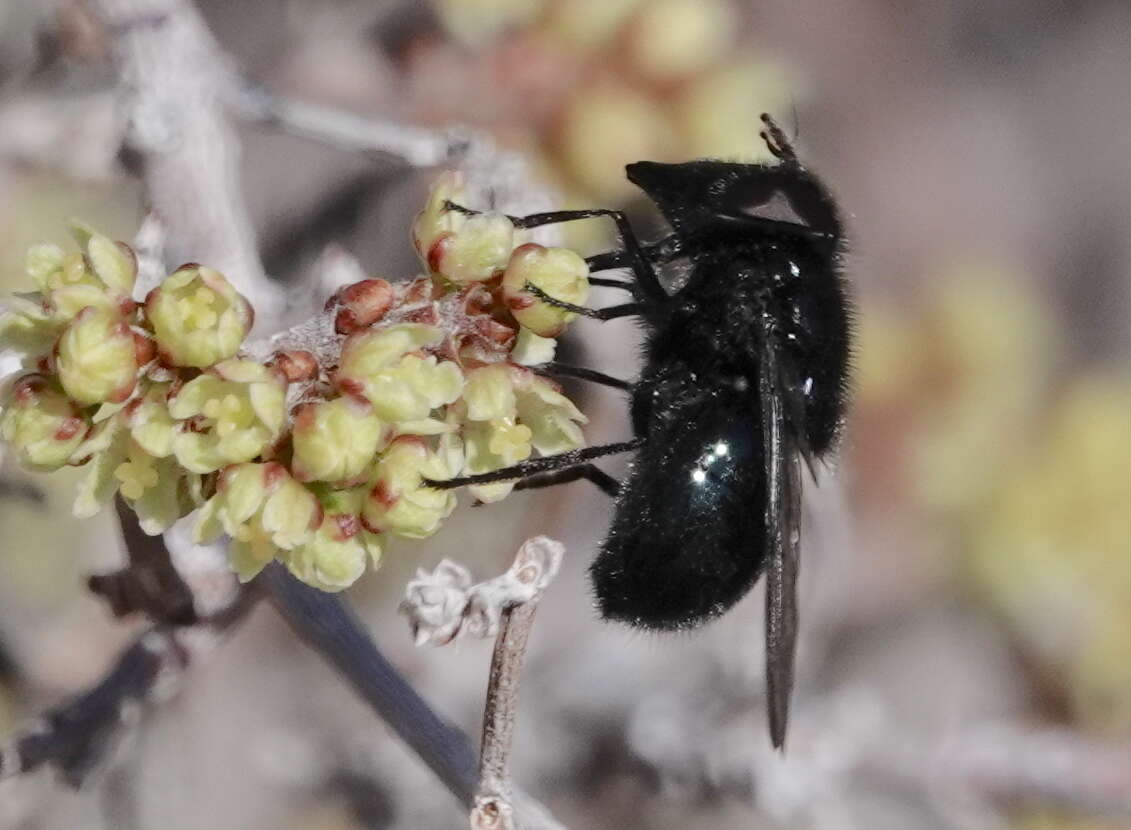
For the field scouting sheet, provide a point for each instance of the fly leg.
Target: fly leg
(646, 283)
(667, 249)
(590, 472)
(608, 313)
(534, 466)
(581, 373)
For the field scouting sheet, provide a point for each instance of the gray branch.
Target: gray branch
(416, 146)
(172, 76)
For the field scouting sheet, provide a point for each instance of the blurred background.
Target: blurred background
(966, 591)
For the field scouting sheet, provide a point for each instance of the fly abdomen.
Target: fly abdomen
(688, 537)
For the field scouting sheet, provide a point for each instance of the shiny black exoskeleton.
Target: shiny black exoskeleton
(744, 377)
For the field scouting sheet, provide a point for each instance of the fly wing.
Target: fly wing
(783, 534)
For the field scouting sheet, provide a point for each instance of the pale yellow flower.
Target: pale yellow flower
(97, 358)
(41, 424)
(399, 502)
(198, 318)
(335, 440)
(558, 272)
(237, 410)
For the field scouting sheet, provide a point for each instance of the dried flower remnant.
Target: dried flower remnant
(305, 449)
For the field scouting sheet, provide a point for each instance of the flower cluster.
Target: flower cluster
(309, 456)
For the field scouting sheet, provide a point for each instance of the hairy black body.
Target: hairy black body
(744, 377)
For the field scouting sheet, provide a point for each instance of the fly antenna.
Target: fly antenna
(776, 141)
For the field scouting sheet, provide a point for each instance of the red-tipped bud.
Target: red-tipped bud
(296, 365)
(362, 304)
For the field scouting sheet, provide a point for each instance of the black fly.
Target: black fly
(745, 377)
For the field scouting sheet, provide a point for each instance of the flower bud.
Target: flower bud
(531, 349)
(489, 393)
(41, 424)
(362, 304)
(113, 263)
(296, 365)
(477, 252)
(559, 272)
(333, 557)
(97, 358)
(398, 501)
(335, 440)
(198, 317)
(437, 220)
(291, 514)
(457, 246)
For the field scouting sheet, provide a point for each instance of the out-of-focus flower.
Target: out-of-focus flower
(477, 22)
(97, 358)
(381, 367)
(335, 440)
(41, 424)
(990, 350)
(718, 114)
(399, 502)
(587, 25)
(198, 317)
(233, 412)
(673, 39)
(606, 125)
(1051, 546)
(101, 276)
(558, 272)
